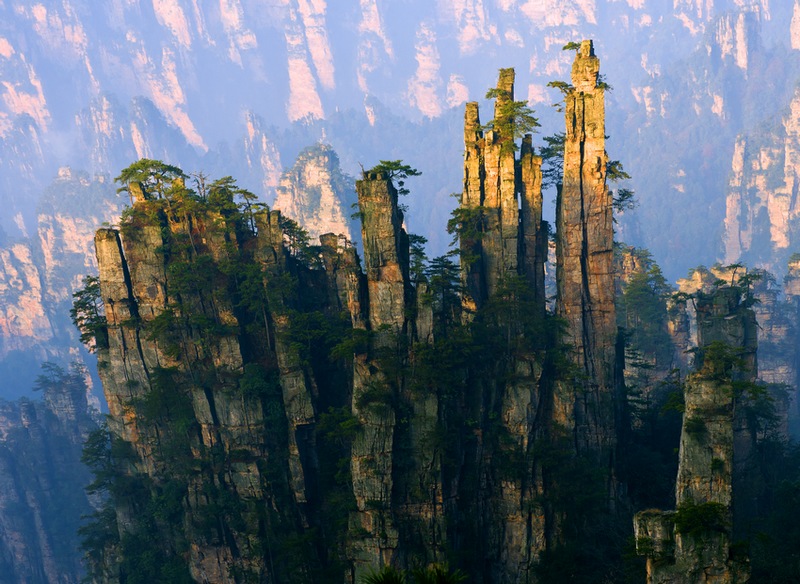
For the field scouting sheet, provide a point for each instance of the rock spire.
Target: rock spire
(584, 260)
(692, 545)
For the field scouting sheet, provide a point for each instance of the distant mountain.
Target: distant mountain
(242, 87)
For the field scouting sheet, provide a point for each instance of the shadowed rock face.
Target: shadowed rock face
(175, 328)
(388, 300)
(307, 420)
(42, 500)
(184, 320)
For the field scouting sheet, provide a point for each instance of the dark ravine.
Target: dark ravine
(286, 412)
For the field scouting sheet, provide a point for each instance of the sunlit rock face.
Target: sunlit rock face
(713, 451)
(584, 254)
(39, 273)
(203, 368)
(761, 207)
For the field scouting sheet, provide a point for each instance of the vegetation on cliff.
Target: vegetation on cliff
(148, 475)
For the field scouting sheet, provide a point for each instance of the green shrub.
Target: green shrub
(695, 426)
(700, 518)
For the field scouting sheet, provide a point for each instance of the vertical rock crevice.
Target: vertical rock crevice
(504, 248)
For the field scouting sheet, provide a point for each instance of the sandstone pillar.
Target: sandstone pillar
(584, 262)
(388, 302)
(692, 545)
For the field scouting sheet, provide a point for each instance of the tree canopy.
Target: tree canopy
(396, 171)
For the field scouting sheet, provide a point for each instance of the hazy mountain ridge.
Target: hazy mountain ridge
(213, 89)
(40, 272)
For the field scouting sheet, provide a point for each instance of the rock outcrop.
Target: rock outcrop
(209, 360)
(39, 273)
(283, 412)
(504, 246)
(316, 193)
(502, 231)
(389, 302)
(186, 379)
(761, 205)
(777, 317)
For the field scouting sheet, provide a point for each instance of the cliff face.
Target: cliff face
(761, 205)
(440, 426)
(504, 245)
(182, 379)
(502, 196)
(389, 304)
(776, 315)
(39, 272)
(42, 500)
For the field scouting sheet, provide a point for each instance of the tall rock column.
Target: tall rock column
(490, 192)
(692, 545)
(503, 238)
(584, 253)
(471, 202)
(213, 412)
(389, 299)
(792, 291)
(297, 385)
(500, 189)
(343, 270)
